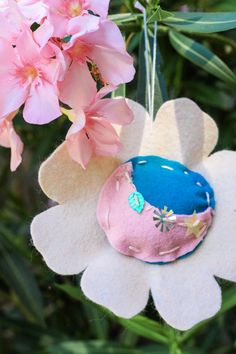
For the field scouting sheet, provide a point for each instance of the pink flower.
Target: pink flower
(92, 132)
(27, 77)
(62, 11)
(28, 11)
(10, 139)
(103, 47)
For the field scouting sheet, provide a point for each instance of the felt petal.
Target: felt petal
(133, 136)
(68, 236)
(78, 88)
(63, 179)
(114, 111)
(182, 132)
(117, 282)
(184, 295)
(219, 248)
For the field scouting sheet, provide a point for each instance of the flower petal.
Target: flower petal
(185, 295)
(117, 282)
(79, 147)
(108, 35)
(99, 7)
(183, 132)
(115, 111)
(103, 137)
(78, 88)
(67, 238)
(42, 105)
(63, 179)
(115, 66)
(219, 248)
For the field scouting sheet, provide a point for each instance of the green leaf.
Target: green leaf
(136, 202)
(202, 57)
(140, 325)
(90, 347)
(159, 15)
(146, 328)
(160, 91)
(124, 18)
(19, 278)
(202, 22)
(120, 91)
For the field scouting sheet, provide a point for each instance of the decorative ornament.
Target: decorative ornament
(122, 253)
(164, 219)
(136, 202)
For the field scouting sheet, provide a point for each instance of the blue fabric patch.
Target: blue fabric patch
(168, 183)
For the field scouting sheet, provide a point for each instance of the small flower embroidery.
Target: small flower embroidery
(165, 219)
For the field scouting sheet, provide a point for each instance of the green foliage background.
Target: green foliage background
(43, 313)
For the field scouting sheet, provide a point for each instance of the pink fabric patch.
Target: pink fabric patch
(136, 235)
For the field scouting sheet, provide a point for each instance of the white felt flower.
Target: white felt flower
(71, 241)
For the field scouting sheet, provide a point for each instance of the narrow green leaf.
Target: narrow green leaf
(202, 57)
(123, 18)
(120, 91)
(159, 15)
(19, 278)
(90, 347)
(202, 22)
(160, 91)
(140, 325)
(146, 328)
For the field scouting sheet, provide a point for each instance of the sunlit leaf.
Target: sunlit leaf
(202, 22)
(202, 57)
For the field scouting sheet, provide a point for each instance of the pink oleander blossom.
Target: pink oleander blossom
(10, 139)
(92, 132)
(62, 11)
(27, 77)
(103, 47)
(29, 10)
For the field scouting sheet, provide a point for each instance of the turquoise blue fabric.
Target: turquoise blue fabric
(167, 183)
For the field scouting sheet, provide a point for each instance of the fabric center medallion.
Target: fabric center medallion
(155, 209)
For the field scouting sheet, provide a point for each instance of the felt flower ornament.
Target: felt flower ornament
(10, 139)
(159, 217)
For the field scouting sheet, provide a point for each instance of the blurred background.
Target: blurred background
(41, 312)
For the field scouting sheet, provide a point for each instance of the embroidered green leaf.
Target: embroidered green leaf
(136, 202)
